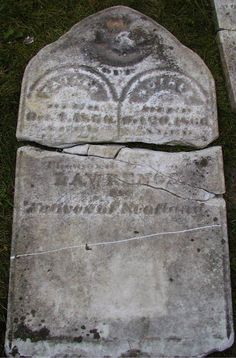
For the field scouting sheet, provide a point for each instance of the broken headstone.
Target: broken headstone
(117, 251)
(112, 253)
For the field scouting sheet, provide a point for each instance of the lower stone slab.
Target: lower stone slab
(119, 257)
(227, 46)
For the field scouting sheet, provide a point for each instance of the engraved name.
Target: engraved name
(110, 208)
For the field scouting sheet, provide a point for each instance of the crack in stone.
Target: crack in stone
(156, 187)
(223, 29)
(173, 181)
(88, 246)
(167, 176)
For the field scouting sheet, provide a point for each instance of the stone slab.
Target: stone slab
(77, 149)
(227, 46)
(119, 257)
(225, 11)
(117, 76)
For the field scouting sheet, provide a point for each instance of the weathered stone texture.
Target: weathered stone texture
(118, 256)
(225, 14)
(118, 252)
(225, 11)
(227, 46)
(117, 76)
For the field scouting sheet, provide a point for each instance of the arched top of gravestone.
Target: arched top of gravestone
(117, 76)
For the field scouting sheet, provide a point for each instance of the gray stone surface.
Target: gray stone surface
(119, 257)
(117, 76)
(225, 11)
(227, 46)
(225, 14)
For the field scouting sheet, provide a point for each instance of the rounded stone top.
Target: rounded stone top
(117, 76)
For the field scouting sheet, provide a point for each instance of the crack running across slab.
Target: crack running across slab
(88, 246)
(173, 181)
(163, 189)
(183, 186)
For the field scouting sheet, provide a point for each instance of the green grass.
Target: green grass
(191, 21)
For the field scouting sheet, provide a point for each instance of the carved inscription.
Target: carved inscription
(103, 187)
(228, 7)
(79, 98)
(128, 240)
(121, 78)
(153, 103)
(115, 188)
(164, 103)
(111, 207)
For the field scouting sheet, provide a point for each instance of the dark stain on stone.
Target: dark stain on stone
(136, 232)
(202, 163)
(215, 219)
(23, 332)
(96, 335)
(33, 312)
(10, 337)
(93, 330)
(223, 241)
(78, 339)
(22, 318)
(83, 327)
(16, 320)
(228, 328)
(116, 43)
(198, 250)
(192, 240)
(20, 298)
(171, 279)
(134, 353)
(87, 247)
(175, 339)
(14, 351)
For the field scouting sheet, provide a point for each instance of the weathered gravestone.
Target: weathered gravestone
(225, 13)
(118, 252)
(118, 77)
